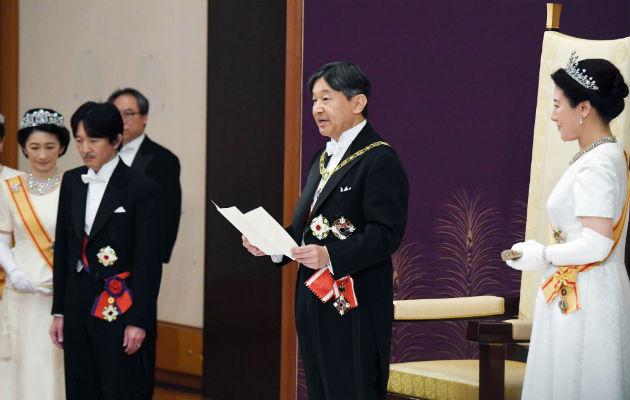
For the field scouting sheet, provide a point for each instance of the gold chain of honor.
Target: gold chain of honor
(326, 175)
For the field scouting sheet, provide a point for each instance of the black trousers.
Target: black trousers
(96, 367)
(340, 353)
(148, 365)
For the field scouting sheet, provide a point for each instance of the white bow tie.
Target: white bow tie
(87, 178)
(332, 148)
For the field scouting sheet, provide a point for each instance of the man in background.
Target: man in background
(160, 164)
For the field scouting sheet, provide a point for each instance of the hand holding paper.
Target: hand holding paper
(261, 230)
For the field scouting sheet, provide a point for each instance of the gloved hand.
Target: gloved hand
(531, 259)
(21, 281)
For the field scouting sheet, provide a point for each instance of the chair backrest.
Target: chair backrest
(550, 156)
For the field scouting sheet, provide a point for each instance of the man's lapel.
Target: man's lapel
(143, 157)
(304, 204)
(364, 138)
(112, 198)
(79, 197)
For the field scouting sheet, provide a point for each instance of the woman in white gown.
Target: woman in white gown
(31, 368)
(580, 343)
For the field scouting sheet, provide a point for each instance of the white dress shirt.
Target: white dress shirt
(344, 142)
(95, 193)
(129, 150)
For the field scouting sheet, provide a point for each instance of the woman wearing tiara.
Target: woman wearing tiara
(32, 368)
(580, 346)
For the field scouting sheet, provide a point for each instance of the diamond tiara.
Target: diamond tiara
(1, 119)
(579, 74)
(41, 117)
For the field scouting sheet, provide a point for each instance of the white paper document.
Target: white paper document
(261, 229)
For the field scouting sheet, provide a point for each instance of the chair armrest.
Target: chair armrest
(454, 308)
(492, 332)
(521, 328)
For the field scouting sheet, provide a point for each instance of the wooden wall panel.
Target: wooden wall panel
(9, 56)
(292, 163)
(245, 166)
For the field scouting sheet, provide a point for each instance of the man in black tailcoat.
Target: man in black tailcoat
(160, 164)
(350, 218)
(107, 266)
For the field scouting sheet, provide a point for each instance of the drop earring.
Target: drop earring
(580, 121)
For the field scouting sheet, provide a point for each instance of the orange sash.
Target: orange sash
(36, 230)
(564, 281)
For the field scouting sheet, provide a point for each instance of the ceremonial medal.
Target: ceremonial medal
(559, 235)
(107, 256)
(115, 300)
(563, 301)
(342, 228)
(320, 227)
(16, 187)
(341, 304)
(110, 313)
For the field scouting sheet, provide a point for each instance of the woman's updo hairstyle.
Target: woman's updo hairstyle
(45, 120)
(607, 99)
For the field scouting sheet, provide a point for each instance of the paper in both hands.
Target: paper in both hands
(261, 229)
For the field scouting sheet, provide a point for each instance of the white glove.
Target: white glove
(588, 248)
(20, 280)
(531, 259)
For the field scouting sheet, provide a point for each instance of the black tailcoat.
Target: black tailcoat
(347, 357)
(126, 220)
(161, 165)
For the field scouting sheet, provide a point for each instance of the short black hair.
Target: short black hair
(1, 131)
(143, 102)
(60, 132)
(608, 100)
(100, 120)
(345, 77)
(79, 115)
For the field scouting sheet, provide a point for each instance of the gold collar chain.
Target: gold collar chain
(322, 168)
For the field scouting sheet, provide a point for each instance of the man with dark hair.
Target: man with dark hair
(107, 269)
(350, 218)
(161, 165)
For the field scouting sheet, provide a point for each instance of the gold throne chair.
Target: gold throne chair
(498, 374)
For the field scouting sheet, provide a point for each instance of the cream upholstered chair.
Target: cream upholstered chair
(492, 377)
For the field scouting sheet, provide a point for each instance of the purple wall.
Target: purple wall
(453, 91)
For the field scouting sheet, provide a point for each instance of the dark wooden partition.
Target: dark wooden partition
(9, 57)
(245, 167)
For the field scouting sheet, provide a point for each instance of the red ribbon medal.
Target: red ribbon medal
(115, 299)
(325, 287)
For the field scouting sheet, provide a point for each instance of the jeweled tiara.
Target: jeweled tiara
(41, 117)
(579, 74)
(1, 119)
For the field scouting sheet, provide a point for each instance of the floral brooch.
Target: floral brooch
(342, 228)
(320, 227)
(107, 256)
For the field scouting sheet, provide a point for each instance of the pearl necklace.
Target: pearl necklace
(603, 140)
(44, 186)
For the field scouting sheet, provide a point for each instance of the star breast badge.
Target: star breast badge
(107, 256)
(342, 228)
(320, 227)
(110, 313)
